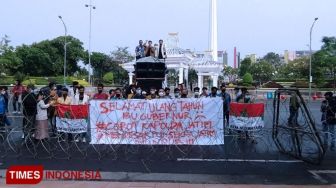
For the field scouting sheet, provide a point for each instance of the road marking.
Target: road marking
(240, 160)
(316, 175)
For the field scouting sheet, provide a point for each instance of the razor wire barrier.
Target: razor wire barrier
(294, 130)
(257, 143)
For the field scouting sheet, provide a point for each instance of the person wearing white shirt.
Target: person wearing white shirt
(80, 98)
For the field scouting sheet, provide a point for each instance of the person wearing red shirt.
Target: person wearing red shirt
(100, 95)
(17, 91)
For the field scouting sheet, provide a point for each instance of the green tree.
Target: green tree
(230, 73)
(247, 79)
(192, 76)
(262, 71)
(273, 58)
(121, 55)
(244, 67)
(172, 77)
(108, 78)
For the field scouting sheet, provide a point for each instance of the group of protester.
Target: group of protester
(39, 110)
(148, 50)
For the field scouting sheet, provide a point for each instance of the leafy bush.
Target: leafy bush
(247, 79)
(108, 78)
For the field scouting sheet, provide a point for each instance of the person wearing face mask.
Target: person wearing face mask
(184, 93)
(111, 93)
(177, 93)
(100, 95)
(226, 103)
(118, 95)
(162, 94)
(64, 99)
(152, 93)
(196, 92)
(29, 111)
(167, 93)
(138, 94)
(213, 92)
(81, 99)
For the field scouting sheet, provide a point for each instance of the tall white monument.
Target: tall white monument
(213, 40)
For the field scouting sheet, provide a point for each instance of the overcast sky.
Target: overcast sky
(254, 26)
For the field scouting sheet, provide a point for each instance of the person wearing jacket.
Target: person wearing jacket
(3, 108)
(29, 111)
(328, 109)
(161, 50)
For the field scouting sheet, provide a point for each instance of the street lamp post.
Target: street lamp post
(310, 57)
(90, 6)
(65, 48)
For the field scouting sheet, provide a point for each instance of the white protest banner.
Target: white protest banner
(157, 122)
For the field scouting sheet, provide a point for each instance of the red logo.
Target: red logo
(24, 174)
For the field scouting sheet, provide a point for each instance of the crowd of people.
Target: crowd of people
(39, 109)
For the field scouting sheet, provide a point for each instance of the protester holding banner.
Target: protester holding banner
(196, 92)
(138, 94)
(167, 93)
(177, 93)
(184, 93)
(111, 93)
(81, 99)
(65, 99)
(244, 97)
(161, 93)
(41, 132)
(118, 95)
(131, 92)
(100, 95)
(204, 93)
(152, 94)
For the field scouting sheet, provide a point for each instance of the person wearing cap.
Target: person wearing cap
(204, 93)
(29, 110)
(167, 93)
(64, 99)
(196, 92)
